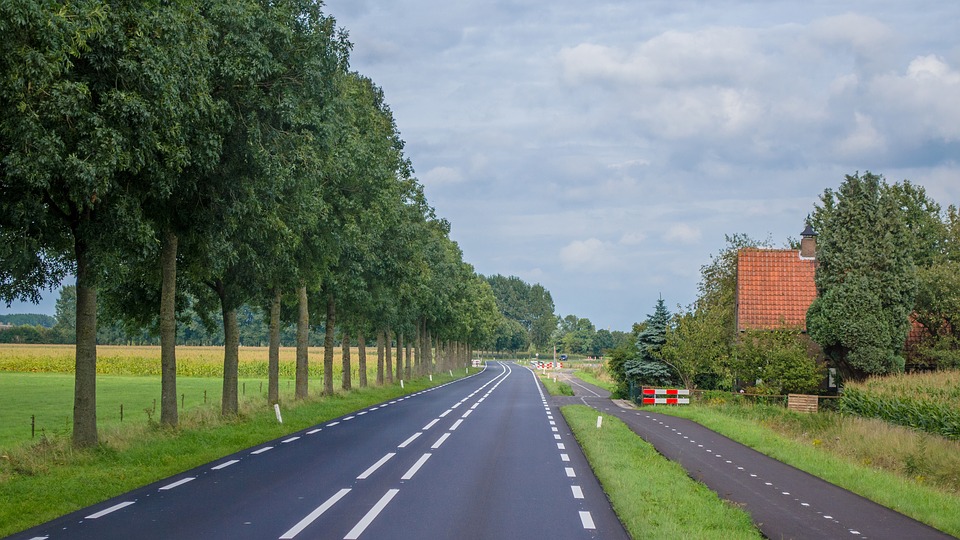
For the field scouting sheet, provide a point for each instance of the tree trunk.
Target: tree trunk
(169, 415)
(303, 342)
(380, 341)
(362, 358)
(85, 374)
(387, 344)
(399, 376)
(273, 361)
(408, 368)
(418, 349)
(428, 352)
(230, 403)
(345, 347)
(328, 346)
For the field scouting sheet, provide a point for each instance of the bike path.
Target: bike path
(783, 501)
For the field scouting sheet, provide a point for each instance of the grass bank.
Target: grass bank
(916, 474)
(653, 496)
(46, 479)
(555, 387)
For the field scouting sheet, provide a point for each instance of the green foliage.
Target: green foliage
(530, 306)
(648, 367)
(779, 358)
(866, 277)
(31, 319)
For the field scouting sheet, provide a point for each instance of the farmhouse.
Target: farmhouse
(775, 287)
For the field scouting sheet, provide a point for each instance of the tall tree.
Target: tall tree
(97, 103)
(866, 278)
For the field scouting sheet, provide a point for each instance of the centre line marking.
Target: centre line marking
(225, 464)
(466, 414)
(577, 492)
(440, 440)
(312, 516)
(430, 425)
(587, 520)
(570, 472)
(416, 467)
(410, 440)
(177, 483)
(362, 525)
(375, 466)
(446, 412)
(456, 425)
(106, 511)
(564, 457)
(560, 446)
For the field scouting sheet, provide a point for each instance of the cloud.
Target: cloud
(441, 176)
(683, 233)
(589, 255)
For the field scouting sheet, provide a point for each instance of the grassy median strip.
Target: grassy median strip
(47, 479)
(907, 496)
(556, 388)
(653, 496)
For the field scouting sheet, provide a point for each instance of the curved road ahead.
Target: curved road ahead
(485, 457)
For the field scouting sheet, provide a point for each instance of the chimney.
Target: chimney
(808, 243)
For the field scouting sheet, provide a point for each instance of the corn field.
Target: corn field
(928, 402)
(145, 360)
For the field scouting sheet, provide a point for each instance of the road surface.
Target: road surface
(485, 457)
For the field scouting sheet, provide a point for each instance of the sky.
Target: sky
(604, 149)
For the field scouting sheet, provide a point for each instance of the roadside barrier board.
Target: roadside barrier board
(650, 396)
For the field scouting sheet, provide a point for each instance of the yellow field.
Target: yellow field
(145, 360)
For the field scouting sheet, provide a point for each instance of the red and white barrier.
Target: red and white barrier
(548, 365)
(650, 396)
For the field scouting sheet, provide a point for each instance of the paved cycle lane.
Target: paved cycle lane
(783, 501)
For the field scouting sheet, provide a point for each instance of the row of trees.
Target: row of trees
(887, 255)
(202, 156)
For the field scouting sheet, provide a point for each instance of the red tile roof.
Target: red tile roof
(774, 288)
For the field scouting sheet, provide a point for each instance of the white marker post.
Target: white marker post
(276, 409)
(599, 421)
(401, 383)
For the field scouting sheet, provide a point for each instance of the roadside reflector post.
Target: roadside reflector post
(431, 377)
(599, 421)
(401, 383)
(276, 409)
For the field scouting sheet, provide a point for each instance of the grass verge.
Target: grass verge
(909, 496)
(593, 377)
(47, 479)
(653, 496)
(556, 388)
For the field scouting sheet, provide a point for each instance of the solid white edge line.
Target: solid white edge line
(587, 520)
(577, 492)
(106, 511)
(225, 464)
(416, 467)
(365, 522)
(312, 516)
(375, 466)
(177, 483)
(410, 440)
(440, 440)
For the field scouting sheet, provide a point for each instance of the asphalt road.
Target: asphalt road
(783, 501)
(483, 457)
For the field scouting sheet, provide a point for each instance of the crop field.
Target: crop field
(926, 401)
(36, 383)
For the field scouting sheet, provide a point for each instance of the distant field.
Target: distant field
(37, 381)
(145, 360)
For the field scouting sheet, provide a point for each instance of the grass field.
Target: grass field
(653, 496)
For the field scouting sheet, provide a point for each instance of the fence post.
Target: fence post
(33, 425)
